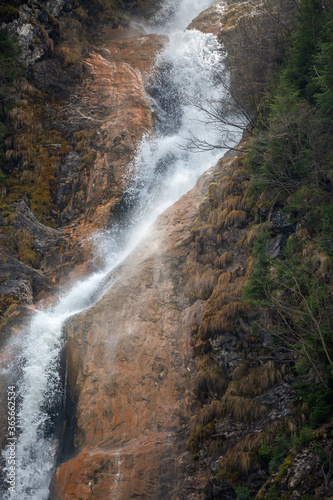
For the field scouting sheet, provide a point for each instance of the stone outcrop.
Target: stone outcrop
(211, 19)
(110, 109)
(130, 370)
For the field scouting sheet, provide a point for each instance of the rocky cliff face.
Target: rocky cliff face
(172, 393)
(130, 371)
(66, 162)
(76, 126)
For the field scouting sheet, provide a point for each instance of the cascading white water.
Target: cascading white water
(163, 171)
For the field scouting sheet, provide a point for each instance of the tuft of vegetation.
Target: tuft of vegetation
(291, 165)
(243, 493)
(271, 300)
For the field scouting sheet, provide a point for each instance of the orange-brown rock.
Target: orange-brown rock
(211, 19)
(130, 371)
(113, 104)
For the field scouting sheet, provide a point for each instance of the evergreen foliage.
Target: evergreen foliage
(291, 165)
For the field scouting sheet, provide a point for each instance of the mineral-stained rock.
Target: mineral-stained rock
(110, 101)
(130, 369)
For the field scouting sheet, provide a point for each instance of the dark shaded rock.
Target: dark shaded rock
(256, 480)
(224, 349)
(219, 489)
(49, 76)
(71, 163)
(13, 270)
(273, 247)
(55, 6)
(278, 223)
(18, 289)
(45, 237)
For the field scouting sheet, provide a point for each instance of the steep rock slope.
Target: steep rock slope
(129, 369)
(262, 420)
(134, 388)
(72, 125)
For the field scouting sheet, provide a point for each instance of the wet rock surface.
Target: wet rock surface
(104, 114)
(130, 370)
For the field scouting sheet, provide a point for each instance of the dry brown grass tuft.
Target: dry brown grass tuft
(70, 29)
(232, 310)
(239, 370)
(217, 300)
(21, 117)
(240, 175)
(213, 217)
(252, 442)
(234, 202)
(203, 209)
(237, 276)
(249, 265)
(249, 238)
(236, 218)
(219, 239)
(199, 436)
(209, 382)
(222, 218)
(24, 88)
(218, 445)
(242, 409)
(213, 189)
(70, 54)
(303, 234)
(84, 138)
(208, 232)
(322, 264)
(224, 280)
(227, 187)
(12, 155)
(208, 258)
(238, 461)
(258, 380)
(201, 284)
(225, 318)
(208, 413)
(224, 260)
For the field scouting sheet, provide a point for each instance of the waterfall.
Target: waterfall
(164, 169)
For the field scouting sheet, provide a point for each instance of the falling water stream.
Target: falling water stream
(164, 170)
